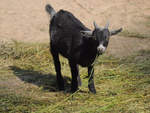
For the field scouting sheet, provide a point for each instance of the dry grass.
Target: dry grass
(28, 83)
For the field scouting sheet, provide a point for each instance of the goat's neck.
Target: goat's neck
(88, 52)
(91, 45)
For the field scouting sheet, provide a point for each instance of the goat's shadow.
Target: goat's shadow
(47, 81)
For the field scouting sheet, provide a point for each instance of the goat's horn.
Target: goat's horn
(95, 25)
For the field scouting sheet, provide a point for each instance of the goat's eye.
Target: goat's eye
(105, 43)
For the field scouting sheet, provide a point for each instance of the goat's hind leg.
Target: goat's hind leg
(60, 80)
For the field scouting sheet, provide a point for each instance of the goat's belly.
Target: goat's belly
(85, 63)
(64, 54)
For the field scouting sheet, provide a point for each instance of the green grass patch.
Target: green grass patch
(19, 104)
(28, 83)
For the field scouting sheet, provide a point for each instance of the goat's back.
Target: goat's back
(65, 33)
(66, 20)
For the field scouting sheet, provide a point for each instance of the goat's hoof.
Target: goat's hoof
(61, 87)
(92, 89)
(73, 90)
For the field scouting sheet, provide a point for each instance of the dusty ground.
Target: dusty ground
(27, 20)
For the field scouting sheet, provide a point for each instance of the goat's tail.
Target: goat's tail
(50, 10)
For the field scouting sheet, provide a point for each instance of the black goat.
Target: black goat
(77, 43)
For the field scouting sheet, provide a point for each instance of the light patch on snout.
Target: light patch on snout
(101, 48)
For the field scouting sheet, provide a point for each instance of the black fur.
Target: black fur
(67, 40)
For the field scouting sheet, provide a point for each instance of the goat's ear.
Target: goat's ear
(86, 33)
(114, 32)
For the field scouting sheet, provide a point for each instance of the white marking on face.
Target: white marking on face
(101, 48)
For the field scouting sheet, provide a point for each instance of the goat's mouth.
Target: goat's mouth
(101, 49)
(100, 52)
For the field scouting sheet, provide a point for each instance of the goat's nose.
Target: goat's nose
(101, 48)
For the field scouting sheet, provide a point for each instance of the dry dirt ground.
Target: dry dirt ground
(26, 20)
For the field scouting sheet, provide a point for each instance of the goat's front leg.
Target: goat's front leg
(60, 80)
(76, 81)
(91, 85)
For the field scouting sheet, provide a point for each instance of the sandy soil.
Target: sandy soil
(27, 20)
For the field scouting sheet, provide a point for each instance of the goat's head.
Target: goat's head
(101, 35)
